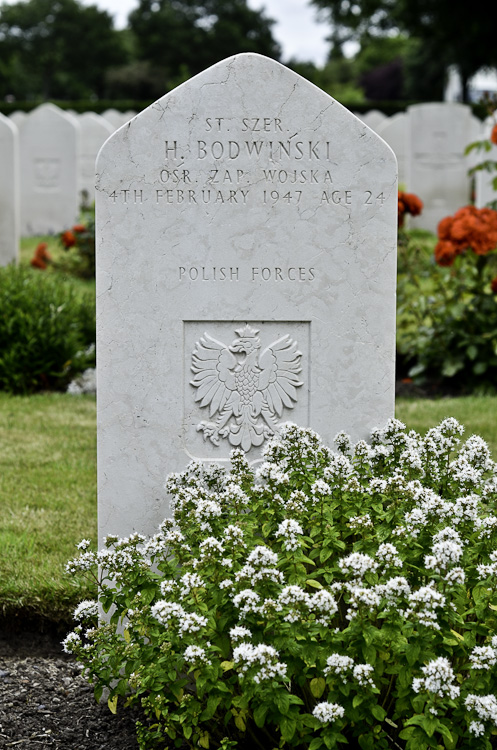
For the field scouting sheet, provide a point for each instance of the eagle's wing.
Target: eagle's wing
(212, 363)
(280, 365)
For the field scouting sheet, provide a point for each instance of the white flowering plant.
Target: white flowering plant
(323, 596)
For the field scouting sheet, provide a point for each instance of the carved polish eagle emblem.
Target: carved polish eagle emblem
(244, 389)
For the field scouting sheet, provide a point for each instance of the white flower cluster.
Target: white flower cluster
(357, 564)
(71, 641)
(320, 489)
(265, 657)
(238, 633)
(360, 522)
(486, 526)
(339, 665)
(344, 665)
(272, 473)
(196, 655)
(234, 535)
(211, 547)
(361, 596)
(393, 589)
(483, 657)
(388, 554)
(326, 712)
(423, 603)
(289, 530)
(486, 570)
(446, 551)
(485, 706)
(170, 612)
(362, 673)
(188, 582)
(247, 601)
(86, 609)
(260, 566)
(439, 679)
(300, 604)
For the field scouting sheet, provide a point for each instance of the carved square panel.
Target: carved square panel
(242, 380)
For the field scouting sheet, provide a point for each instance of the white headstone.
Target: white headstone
(9, 192)
(373, 118)
(437, 167)
(393, 130)
(49, 153)
(94, 132)
(116, 118)
(17, 117)
(246, 246)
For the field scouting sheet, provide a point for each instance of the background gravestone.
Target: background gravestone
(393, 130)
(49, 158)
(9, 192)
(437, 169)
(246, 262)
(94, 131)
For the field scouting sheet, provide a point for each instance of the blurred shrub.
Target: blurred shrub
(46, 331)
(447, 309)
(81, 237)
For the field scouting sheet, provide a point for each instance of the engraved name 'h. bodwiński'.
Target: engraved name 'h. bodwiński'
(245, 389)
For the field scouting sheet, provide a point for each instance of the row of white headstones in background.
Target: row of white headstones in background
(48, 169)
(48, 164)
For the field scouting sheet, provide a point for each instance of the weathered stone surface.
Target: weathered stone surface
(246, 246)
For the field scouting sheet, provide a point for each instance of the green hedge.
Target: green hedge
(46, 331)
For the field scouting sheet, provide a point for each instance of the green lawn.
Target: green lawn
(48, 500)
(48, 489)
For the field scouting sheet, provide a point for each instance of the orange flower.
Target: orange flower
(79, 228)
(493, 285)
(493, 135)
(38, 263)
(68, 239)
(470, 228)
(414, 205)
(41, 256)
(408, 203)
(445, 253)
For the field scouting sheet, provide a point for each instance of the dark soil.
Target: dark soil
(46, 703)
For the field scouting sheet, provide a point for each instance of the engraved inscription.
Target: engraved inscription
(253, 273)
(245, 390)
(249, 162)
(46, 173)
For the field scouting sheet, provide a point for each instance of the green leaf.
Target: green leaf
(212, 703)
(357, 700)
(112, 704)
(314, 584)
(472, 351)
(260, 714)
(287, 728)
(366, 741)
(318, 685)
(412, 653)
(378, 712)
(479, 368)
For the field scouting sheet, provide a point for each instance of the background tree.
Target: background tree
(183, 37)
(447, 31)
(56, 49)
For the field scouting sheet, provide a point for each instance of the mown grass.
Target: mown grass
(48, 501)
(48, 490)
